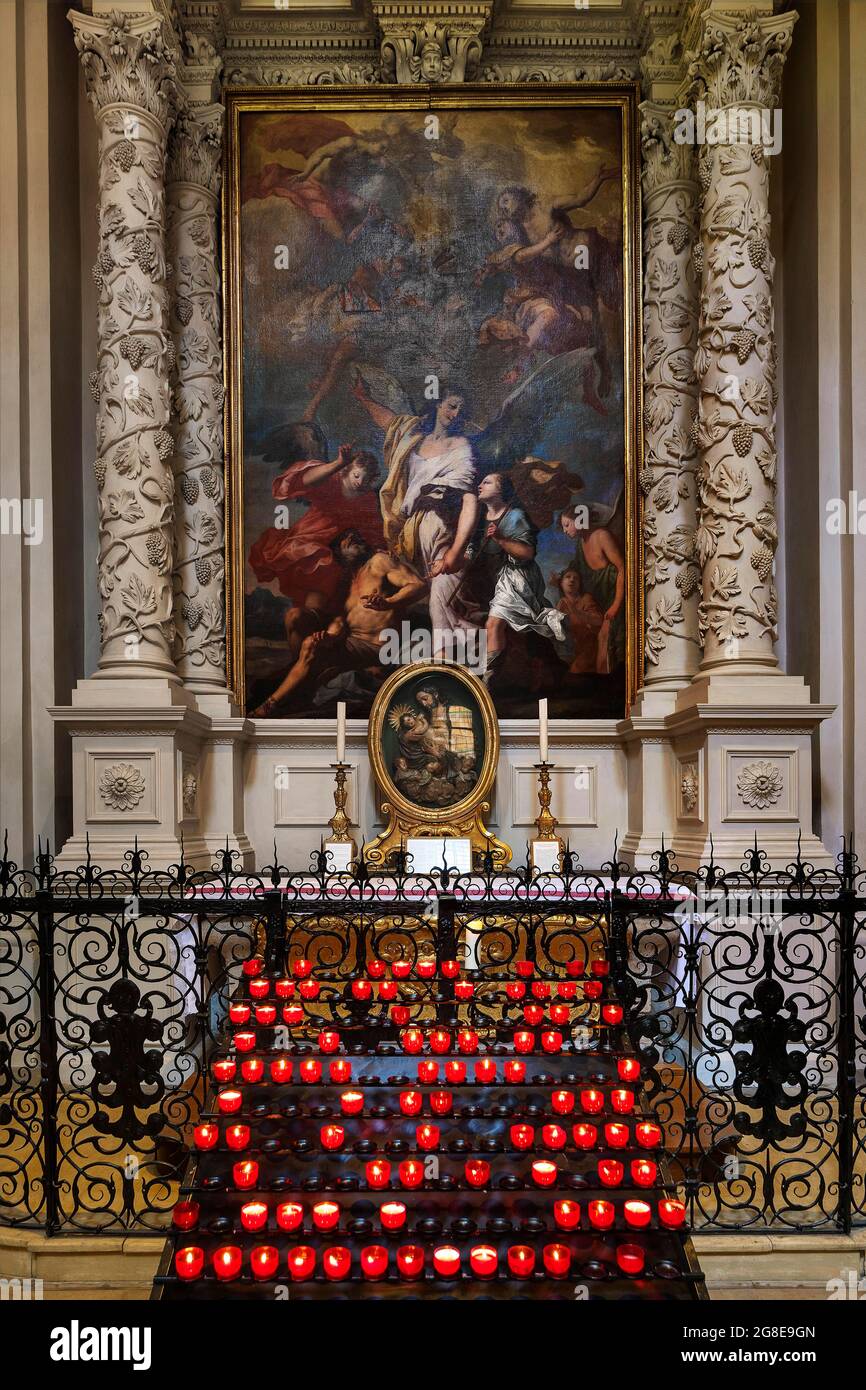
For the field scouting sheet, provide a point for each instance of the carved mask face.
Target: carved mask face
(431, 62)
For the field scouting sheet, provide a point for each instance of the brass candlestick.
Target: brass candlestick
(339, 823)
(545, 823)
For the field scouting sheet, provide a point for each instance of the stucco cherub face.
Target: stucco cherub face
(432, 66)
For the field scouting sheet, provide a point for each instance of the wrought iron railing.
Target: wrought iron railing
(745, 998)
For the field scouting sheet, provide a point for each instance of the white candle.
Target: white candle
(542, 729)
(341, 732)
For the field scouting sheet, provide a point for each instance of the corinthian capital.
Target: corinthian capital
(740, 59)
(665, 159)
(195, 148)
(434, 43)
(127, 62)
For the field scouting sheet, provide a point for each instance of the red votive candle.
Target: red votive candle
(352, 1102)
(557, 1260)
(524, 1041)
(551, 1041)
(628, 1069)
(485, 1070)
(622, 1101)
(610, 1172)
(229, 1102)
(525, 969)
(245, 1174)
(483, 1260)
(562, 1102)
(264, 1260)
(672, 1213)
(293, 1014)
(616, 1136)
(259, 989)
(566, 1214)
(378, 1173)
(592, 989)
(643, 1172)
(326, 1215)
(477, 1172)
(600, 967)
(376, 969)
(284, 989)
(224, 1071)
(591, 1102)
(329, 1041)
(266, 1014)
(254, 966)
(574, 969)
(637, 1214)
(521, 1260)
(463, 990)
(515, 1072)
(611, 1013)
(541, 989)
(237, 1137)
(412, 1039)
(522, 1136)
(584, 1136)
(446, 1261)
(428, 1071)
(441, 1102)
(281, 1070)
(309, 989)
(290, 1216)
(440, 1041)
(410, 1261)
(239, 1013)
(310, 1071)
(361, 989)
(455, 1072)
(559, 1013)
(253, 1069)
(450, 969)
(340, 1071)
(227, 1261)
(392, 1215)
(206, 1136)
(566, 989)
(601, 1215)
(515, 990)
(648, 1134)
(336, 1262)
(189, 1262)
(301, 968)
(426, 968)
(374, 1261)
(411, 1102)
(427, 1137)
(401, 969)
(553, 1137)
(544, 1173)
(387, 991)
(630, 1258)
(467, 1040)
(533, 1014)
(411, 1172)
(185, 1215)
(332, 1136)
(254, 1216)
(301, 1262)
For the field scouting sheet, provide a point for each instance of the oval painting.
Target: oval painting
(433, 740)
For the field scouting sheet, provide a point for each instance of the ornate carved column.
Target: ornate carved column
(193, 183)
(130, 77)
(735, 76)
(671, 576)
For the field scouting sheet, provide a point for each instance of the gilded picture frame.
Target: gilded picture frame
(623, 99)
(433, 772)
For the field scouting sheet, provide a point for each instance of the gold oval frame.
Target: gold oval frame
(466, 818)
